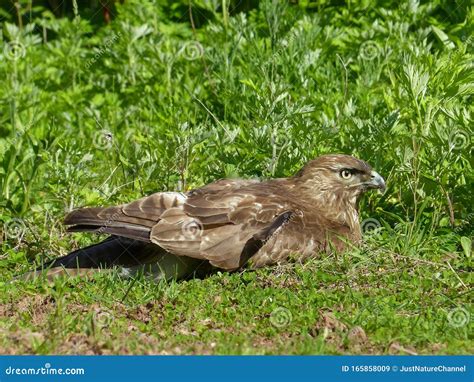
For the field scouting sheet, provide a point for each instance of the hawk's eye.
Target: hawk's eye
(346, 174)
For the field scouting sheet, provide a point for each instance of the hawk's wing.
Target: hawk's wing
(225, 222)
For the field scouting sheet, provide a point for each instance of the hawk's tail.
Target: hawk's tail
(130, 257)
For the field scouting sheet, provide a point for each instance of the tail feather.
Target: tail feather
(113, 251)
(131, 257)
(109, 220)
(126, 231)
(108, 216)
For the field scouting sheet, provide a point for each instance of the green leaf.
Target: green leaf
(443, 37)
(466, 245)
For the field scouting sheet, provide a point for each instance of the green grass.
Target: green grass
(94, 114)
(372, 302)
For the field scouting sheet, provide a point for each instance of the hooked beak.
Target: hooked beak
(376, 181)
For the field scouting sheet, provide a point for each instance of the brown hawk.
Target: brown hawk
(227, 224)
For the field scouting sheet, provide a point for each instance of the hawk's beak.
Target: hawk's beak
(376, 181)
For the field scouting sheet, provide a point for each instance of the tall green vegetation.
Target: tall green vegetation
(96, 114)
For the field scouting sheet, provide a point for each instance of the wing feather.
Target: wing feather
(133, 220)
(217, 225)
(223, 222)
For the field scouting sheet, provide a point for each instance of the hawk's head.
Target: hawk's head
(341, 173)
(335, 182)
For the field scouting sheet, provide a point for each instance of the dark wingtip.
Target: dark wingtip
(82, 228)
(82, 215)
(68, 219)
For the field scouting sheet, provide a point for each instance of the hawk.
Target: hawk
(228, 224)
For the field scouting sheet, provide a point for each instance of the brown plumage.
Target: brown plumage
(229, 223)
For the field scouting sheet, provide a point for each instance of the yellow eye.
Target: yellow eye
(346, 174)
